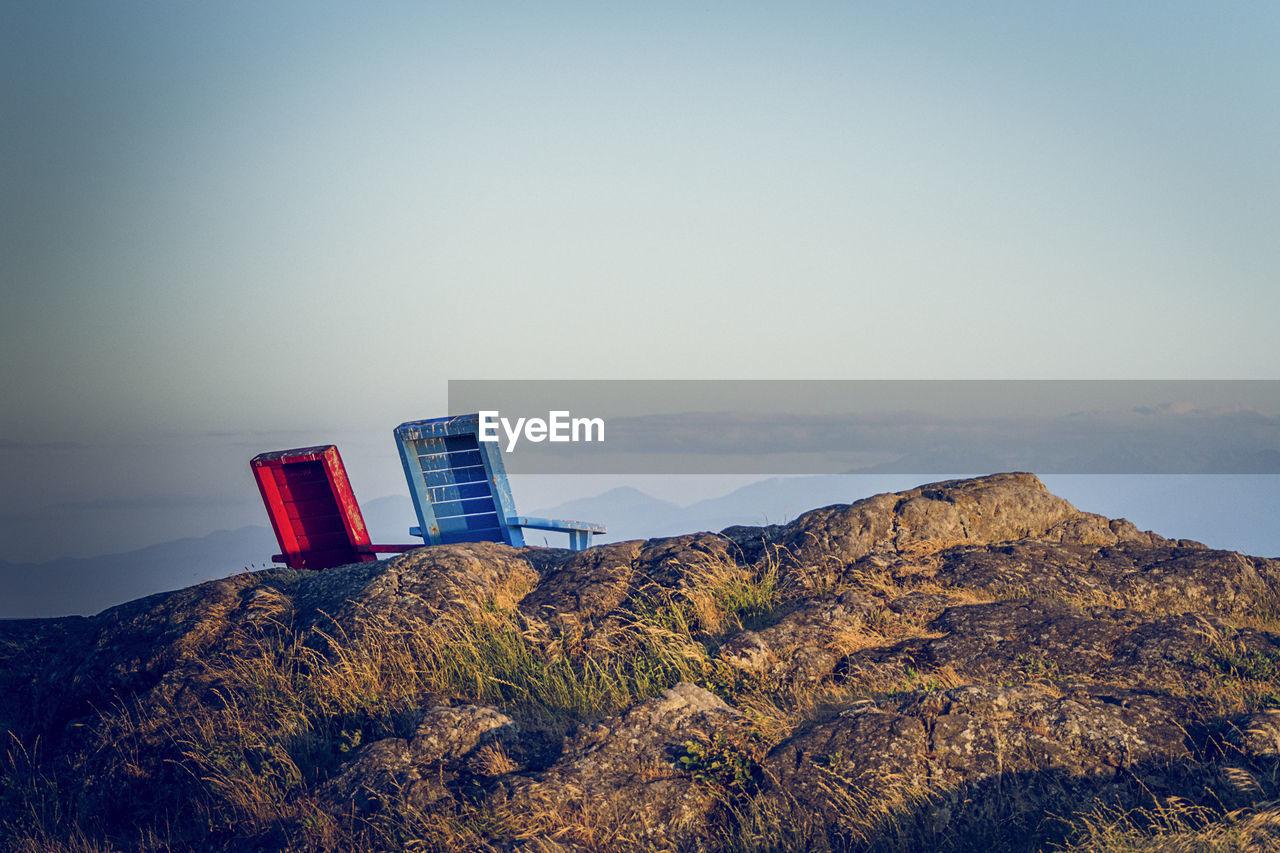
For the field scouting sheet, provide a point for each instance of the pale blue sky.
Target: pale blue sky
(230, 227)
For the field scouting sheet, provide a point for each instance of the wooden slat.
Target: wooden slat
(264, 472)
(460, 492)
(449, 461)
(312, 509)
(493, 534)
(340, 485)
(481, 521)
(302, 472)
(450, 509)
(324, 525)
(307, 492)
(321, 540)
(387, 549)
(556, 524)
(456, 476)
(461, 442)
(326, 559)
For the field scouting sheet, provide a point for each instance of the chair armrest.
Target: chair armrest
(554, 524)
(386, 549)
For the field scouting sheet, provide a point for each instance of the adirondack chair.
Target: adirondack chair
(460, 490)
(313, 510)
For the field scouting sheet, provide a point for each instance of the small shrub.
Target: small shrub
(724, 762)
(1250, 665)
(1036, 667)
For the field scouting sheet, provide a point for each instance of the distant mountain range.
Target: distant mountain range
(84, 586)
(1231, 512)
(631, 514)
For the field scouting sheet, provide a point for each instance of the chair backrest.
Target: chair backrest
(458, 483)
(312, 508)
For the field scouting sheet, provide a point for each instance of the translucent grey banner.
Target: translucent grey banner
(776, 427)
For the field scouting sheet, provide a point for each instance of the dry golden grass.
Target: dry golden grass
(718, 598)
(492, 760)
(1177, 826)
(274, 711)
(924, 556)
(589, 820)
(282, 708)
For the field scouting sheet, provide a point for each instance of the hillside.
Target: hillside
(967, 665)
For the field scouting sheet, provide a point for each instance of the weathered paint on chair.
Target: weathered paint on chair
(460, 490)
(312, 509)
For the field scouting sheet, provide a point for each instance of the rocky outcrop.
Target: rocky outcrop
(1000, 508)
(937, 667)
(586, 587)
(450, 744)
(1005, 755)
(625, 772)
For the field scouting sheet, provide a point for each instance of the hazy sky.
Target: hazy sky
(232, 227)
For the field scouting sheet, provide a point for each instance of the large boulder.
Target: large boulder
(621, 778)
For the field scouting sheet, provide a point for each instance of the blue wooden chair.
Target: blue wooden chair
(460, 490)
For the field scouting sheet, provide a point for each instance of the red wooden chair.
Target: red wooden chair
(313, 510)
